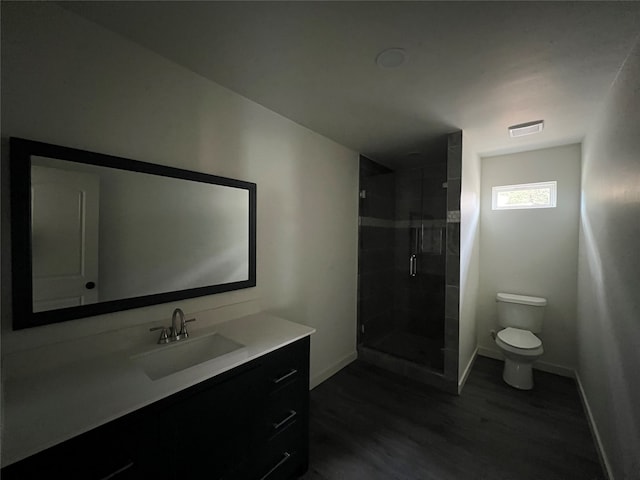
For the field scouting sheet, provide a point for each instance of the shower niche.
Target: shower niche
(408, 266)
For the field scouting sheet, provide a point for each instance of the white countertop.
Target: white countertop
(47, 406)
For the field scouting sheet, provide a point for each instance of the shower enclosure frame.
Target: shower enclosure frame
(447, 379)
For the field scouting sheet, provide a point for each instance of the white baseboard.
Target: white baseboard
(467, 371)
(487, 352)
(542, 366)
(604, 461)
(553, 368)
(332, 370)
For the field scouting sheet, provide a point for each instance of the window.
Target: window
(526, 195)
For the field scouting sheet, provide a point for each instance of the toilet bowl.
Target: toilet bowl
(520, 349)
(521, 316)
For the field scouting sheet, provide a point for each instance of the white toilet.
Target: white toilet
(521, 316)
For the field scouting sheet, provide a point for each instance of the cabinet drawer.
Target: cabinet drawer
(285, 407)
(283, 467)
(285, 454)
(287, 364)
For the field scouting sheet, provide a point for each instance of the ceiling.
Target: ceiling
(474, 66)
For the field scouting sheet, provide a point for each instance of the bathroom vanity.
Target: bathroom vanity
(239, 418)
(94, 234)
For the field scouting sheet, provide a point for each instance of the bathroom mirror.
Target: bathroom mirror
(94, 233)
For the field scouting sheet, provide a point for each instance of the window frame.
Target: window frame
(553, 195)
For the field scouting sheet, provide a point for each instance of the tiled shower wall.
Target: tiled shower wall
(452, 277)
(421, 204)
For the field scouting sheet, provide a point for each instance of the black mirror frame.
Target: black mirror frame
(21, 151)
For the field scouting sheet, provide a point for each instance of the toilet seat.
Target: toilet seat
(518, 338)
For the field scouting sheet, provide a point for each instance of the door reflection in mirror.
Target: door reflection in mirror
(64, 236)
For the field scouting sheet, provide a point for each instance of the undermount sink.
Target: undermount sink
(175, 357)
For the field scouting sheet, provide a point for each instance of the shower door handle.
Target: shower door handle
(413, 266)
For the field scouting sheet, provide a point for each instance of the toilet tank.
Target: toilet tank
(521, 311)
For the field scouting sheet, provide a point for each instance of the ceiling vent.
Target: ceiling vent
(528, 128)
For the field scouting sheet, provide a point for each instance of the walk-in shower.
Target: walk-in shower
(408, 254)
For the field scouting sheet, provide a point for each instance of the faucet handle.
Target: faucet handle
(183, 328)
(164, 334)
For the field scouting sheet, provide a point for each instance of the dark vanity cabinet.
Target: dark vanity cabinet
(250, 423)
(282, 441)
(208, 428)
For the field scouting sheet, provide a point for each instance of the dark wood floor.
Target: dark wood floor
(369, 424)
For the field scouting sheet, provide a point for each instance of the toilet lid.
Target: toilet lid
(519, 338)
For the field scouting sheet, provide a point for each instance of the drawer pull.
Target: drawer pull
(118, 471)
(285, 456)
(292, 414)
(291, 373)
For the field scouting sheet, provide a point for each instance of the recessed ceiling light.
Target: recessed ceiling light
(528, 128)
(391, 58)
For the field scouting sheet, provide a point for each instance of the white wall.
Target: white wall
(469, 256)
(533, 252)
(608, 275)
(69, 82)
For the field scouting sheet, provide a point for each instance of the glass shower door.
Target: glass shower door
(413, 328)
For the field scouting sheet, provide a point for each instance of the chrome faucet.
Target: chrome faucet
(172, 334)
(175, 334)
